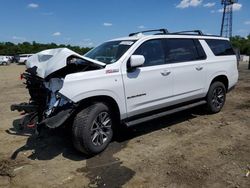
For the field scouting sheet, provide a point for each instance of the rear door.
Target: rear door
(188, 67)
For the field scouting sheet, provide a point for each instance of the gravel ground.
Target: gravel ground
(187, 149)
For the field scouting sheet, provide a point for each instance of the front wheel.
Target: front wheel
(216, 97)
(92, 129)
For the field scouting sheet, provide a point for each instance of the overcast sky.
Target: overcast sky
(90, 22)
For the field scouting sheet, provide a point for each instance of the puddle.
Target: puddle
(104, 170)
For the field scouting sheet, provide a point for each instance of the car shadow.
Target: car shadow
(46, 146)
(54, 142)
(103, 170)
(159, 123)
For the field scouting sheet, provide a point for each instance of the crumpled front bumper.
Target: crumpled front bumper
(31, 111)
(24, 107)
(58, 119)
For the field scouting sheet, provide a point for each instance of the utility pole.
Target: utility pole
(227, 18)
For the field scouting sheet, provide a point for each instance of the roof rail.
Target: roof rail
(199, 32)
(163, 31)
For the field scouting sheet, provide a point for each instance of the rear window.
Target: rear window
(220, 47)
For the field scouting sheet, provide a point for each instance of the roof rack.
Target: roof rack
(199, 32)
(163, 31)
(166, 32)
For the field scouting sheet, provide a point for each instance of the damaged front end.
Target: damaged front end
(44, 78)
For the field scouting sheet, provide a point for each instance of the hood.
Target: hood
(49, 61)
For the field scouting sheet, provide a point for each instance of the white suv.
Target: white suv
(127, 80)
(4, 60)
(22, 59)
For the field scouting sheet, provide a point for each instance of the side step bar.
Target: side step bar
(168, 112)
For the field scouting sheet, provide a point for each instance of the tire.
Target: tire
(216, 97)
(92, 129)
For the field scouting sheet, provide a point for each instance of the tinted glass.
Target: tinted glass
(220, 47)
(110, 52)
(181, 50)
(200, 50)
(152, 51)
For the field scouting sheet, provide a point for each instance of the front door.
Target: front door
(148, 87)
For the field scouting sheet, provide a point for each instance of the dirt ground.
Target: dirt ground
(187, 149)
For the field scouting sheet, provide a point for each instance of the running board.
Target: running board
(168, 112)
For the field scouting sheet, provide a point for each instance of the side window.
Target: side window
(182, 50)
(153, 52)
(201, 53)
(220, 47)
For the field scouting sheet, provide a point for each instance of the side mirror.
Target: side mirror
(136, 61)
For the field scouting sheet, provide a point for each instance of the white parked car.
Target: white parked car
(128, 80)
(4, 60)
(22, 59)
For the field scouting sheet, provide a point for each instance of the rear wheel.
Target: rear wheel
(216, 97)
(92, 129)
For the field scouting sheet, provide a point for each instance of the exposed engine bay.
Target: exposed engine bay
(44, 77)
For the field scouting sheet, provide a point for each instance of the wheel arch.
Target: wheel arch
(109, 101)
(221, 78)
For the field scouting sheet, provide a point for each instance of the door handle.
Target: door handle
(165, 73)
(199, 68)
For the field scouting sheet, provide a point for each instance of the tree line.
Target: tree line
(243, 44)
(9, 48)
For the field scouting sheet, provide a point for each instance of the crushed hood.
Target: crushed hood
(49, 61)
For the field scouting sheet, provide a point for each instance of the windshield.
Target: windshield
(110, 52)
